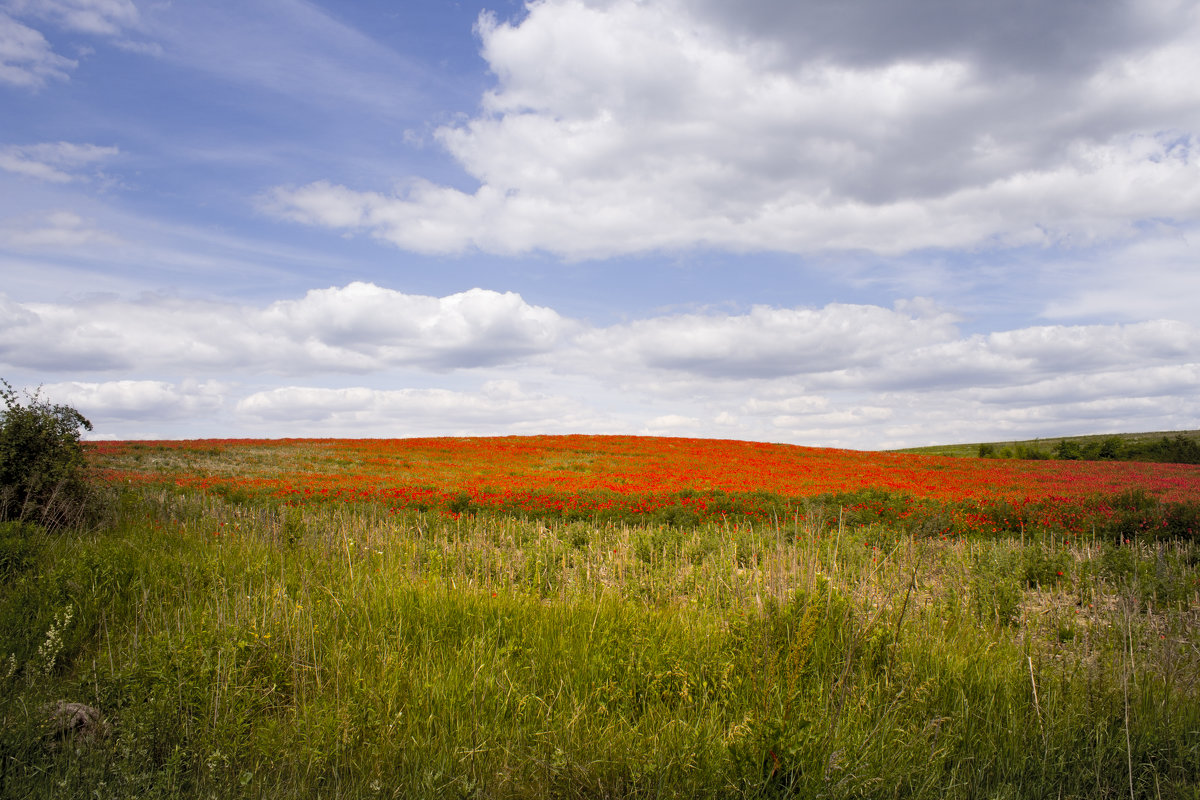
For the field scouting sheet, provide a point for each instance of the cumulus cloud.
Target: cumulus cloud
(864, 376)
(357, 328)
(143, 401)
(365, 328)
(772, 342)
(469, 329)
(1021, 357)
(915, 346)
(619, 127)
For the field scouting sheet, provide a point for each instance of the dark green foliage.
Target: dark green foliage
(1030, 452)
(1045, 568)
(41, 461)
(677, 516)
(1178, 449)
(1110, 449)
(1068, 450)
(18, 547)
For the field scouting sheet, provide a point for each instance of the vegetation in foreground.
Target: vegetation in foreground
(215, 642)
(251, 649)
(42, 462)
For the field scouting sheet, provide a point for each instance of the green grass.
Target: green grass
(341, 651)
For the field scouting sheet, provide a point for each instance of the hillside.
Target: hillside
(1133, 446)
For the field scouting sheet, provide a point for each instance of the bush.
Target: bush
(41, 461)
(1068, 450)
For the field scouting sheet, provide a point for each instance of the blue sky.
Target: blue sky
(868, 225)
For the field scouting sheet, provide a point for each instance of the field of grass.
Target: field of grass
(247, 642)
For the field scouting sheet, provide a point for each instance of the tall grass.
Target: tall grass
(345, 651)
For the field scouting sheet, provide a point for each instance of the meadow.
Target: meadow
(605, 617)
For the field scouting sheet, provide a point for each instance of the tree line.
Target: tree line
(1177, 449)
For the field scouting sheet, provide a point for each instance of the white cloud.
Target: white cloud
(56, 162)
(361, 327)
(141, 401)
(1133, 382)
(1021, 357)
(771, 342)
(1153, 277)
(96, 17)
(26, 58)
(357, 328)
(846, 375)
(495, 406)
(472, 328)
(624, 127)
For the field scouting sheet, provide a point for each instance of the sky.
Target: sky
(877, 224)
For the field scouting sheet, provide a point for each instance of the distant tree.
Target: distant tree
(1181, 450)
(1110, 449)
(987, 451)
(1031, 452)
(41, 461)
(1067, 450)
(1178, 449)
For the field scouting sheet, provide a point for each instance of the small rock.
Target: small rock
(77, 722)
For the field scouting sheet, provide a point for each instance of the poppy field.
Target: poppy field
(681, 481)
(603, 617)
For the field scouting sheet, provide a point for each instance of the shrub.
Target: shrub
(1110, 449)
(1068, 450)
(1031, 452)
(41, 461)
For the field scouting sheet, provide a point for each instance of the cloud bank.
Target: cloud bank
(374, 361)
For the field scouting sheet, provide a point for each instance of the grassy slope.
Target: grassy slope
(973, 448)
